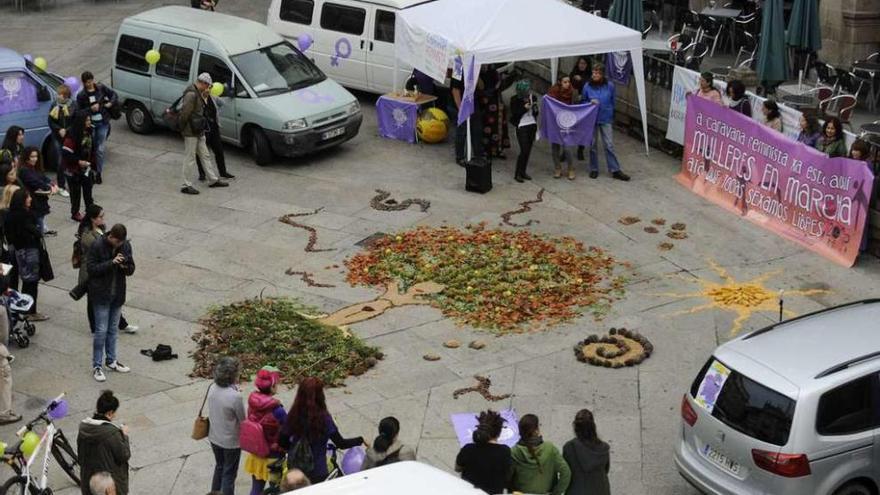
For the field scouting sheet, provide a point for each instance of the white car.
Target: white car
(400, 478)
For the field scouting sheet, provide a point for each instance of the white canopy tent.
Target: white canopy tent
(431, 36)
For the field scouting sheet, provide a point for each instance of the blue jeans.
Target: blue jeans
(225, 469)
(59, 168)
(604, 130)
(106, 330)
(102, 130)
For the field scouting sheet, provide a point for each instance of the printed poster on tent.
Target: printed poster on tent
(711, 386)
(465, 424)
(435, 56)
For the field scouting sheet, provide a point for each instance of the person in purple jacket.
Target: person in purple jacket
(599, 91)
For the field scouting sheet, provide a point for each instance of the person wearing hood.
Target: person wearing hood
(588, 458)
(103, 446)
(538, 467)
(562, 92)
(524, 117)
(387, 448)
(267, 411)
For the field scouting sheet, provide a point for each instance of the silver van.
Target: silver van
(275, 102)
(791, 409)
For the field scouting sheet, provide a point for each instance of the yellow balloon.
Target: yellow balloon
(29, 443)
(152, 57)
(431, 130)
(217, 89)
(41, 63)
(2, 447)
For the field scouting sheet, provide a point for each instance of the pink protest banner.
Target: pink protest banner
(780, 184)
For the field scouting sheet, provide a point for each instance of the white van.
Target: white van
(399, 478)
(276, 102)
(353, 39)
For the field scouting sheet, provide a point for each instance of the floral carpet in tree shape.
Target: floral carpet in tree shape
(494, 279)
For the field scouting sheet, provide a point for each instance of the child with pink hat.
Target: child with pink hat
(259, 432)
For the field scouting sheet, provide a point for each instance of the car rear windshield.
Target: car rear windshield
(750, 407)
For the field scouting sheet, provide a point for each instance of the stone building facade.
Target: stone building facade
(850, 30)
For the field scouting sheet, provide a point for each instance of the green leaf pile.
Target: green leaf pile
(276, 332)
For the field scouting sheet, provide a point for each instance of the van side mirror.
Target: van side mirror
(43, 94)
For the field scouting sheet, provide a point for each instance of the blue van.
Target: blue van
(26, 96)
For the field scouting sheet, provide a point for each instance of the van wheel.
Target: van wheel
(261, 150)
(139, 119)
(854, 488)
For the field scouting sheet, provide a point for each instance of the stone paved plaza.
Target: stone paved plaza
(227, 244)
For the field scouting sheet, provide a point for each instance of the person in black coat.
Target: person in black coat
(524, 118)
(588, 457)
(24, 234)
(486, 464)
(97, 99)
(212, 137)
(110, 261)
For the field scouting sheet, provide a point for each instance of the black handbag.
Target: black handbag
(171, 115)
(46, 272)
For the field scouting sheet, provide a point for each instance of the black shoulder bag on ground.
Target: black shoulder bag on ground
(162, 352)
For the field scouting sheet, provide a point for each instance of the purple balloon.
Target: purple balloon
(353, 459)
(28, 57)
(59, 411)
(73, 83)
(304, 41)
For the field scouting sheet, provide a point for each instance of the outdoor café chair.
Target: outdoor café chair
(840, 106)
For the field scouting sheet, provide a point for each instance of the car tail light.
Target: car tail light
(788, 465)
(687, 411)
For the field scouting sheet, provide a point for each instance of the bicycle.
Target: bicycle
(55, 443)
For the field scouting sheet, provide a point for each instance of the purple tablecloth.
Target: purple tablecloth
(397, 119)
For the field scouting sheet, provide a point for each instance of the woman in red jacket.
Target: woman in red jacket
(267, 411)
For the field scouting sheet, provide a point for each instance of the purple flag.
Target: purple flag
(467, 99)
(568, 125)
(465, 424)
(619, 67)
(17, 94)
(397, 119)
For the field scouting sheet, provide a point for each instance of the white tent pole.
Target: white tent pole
(639, 74)
(396, 69)
(470, 153)
(554, 69)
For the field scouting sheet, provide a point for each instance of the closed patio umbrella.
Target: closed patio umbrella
(804, 32)
(628, 13)
(772, 67)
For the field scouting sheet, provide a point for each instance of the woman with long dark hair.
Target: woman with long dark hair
(772, 115)
(13, 145)
(78, 155)
(495, 134)
(810, 132)
(538, 467)
(24, 234)
(588, 457)
(485, 463)
(309, 421)
(7, 252)
(737, 99)
(38, 185)
(832, 143)
(707, 90)
(524, 117)
(386, 447)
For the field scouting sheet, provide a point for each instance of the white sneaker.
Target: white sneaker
(131, 329)
(99, 375)
(118, 367)
(63, 193)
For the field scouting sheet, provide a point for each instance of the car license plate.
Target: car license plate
(333, 133)
(721, 460)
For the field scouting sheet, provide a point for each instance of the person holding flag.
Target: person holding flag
(600, 92)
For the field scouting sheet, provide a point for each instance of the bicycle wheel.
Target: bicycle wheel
(14, 486)
(66, 456)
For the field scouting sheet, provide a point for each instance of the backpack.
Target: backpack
(300, 456)
(171, 116)
(162, 352)
(255, 434)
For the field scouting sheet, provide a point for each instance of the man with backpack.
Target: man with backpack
(193, 125)
(103, 105)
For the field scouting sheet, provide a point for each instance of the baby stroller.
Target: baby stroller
(17, 305)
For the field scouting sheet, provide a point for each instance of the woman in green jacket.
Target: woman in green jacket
(538, 467)
(831, 142)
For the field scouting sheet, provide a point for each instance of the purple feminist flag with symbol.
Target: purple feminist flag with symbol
(470, 85)
(619, 67)
(397, 119)
(17, 94)
(568, 125)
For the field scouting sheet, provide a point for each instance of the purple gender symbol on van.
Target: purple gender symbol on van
(311, 96)
(343, 50)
